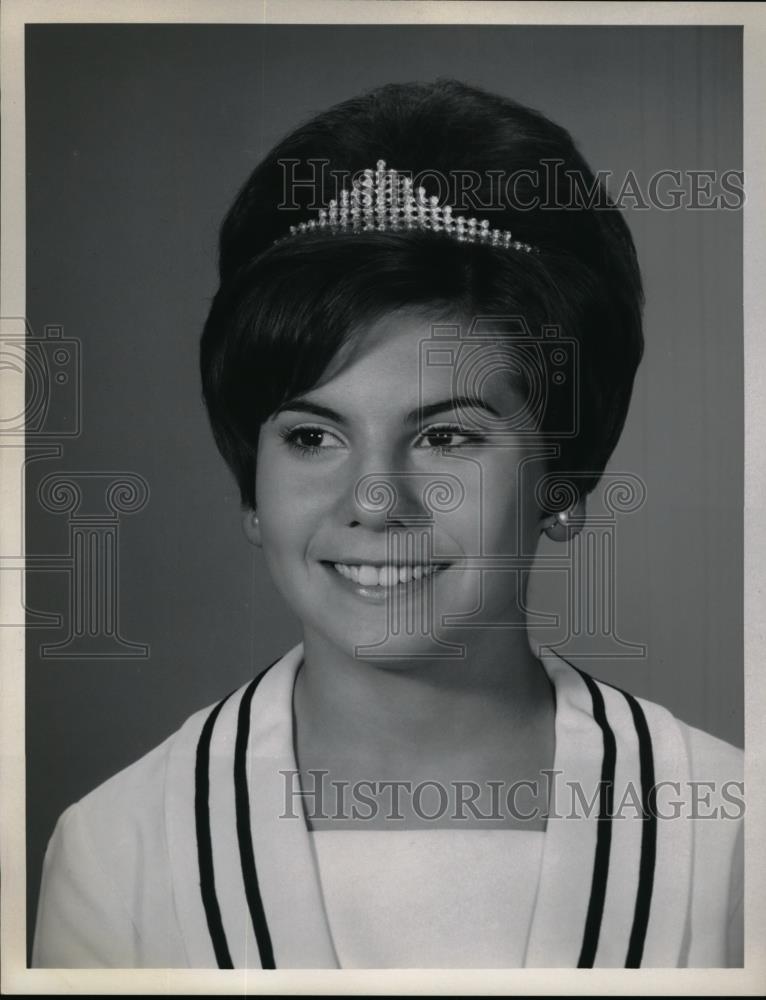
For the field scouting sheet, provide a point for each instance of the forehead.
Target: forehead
(421, 352)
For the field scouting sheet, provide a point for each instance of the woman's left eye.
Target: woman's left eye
(444, 437)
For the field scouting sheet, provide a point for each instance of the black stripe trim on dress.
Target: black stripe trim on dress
(204, 841)
(604, 829)
(648, 837)
(244, 828)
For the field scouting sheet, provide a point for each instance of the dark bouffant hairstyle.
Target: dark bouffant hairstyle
(284, 311)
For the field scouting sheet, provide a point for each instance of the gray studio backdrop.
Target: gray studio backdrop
(137, 139)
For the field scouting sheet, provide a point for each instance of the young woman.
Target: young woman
(420, 358)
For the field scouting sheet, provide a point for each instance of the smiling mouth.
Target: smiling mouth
(386, 576)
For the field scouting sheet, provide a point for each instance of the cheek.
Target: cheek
(287, 518)
(279, 488)
(509, 512)
(290, 507)
(277, 508)
(288, 526)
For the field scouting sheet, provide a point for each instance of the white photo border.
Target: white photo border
(16, 977)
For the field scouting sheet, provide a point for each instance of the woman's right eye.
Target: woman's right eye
(307, 440)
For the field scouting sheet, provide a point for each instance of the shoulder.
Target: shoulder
(106, 895)
(134, 796)
(709, 792)
(711, 758)
(699, 787)
(716, 803)
(703, 770)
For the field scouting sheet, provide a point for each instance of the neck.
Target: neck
(494, 702)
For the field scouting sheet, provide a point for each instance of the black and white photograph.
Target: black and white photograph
(376, 477)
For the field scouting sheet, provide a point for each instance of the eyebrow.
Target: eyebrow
(419, 412)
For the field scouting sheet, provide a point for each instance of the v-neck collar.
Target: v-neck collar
(612, 890)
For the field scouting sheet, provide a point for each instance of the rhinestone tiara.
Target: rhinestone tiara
(383, 200)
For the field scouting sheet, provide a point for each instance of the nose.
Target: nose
(377, 496)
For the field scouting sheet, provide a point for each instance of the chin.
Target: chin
(384, 651)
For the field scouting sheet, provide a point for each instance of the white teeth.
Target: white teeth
(384, 576)
(368, 576)
(388, 576)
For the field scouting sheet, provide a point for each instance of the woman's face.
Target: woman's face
(399, 493)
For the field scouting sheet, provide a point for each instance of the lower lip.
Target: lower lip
(378, 595)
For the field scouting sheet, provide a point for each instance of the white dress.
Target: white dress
(444, 898)
(186, 858)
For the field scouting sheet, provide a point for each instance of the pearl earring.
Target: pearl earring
(560, 529)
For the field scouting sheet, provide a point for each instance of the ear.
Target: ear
(251, 527)
(563, 526)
